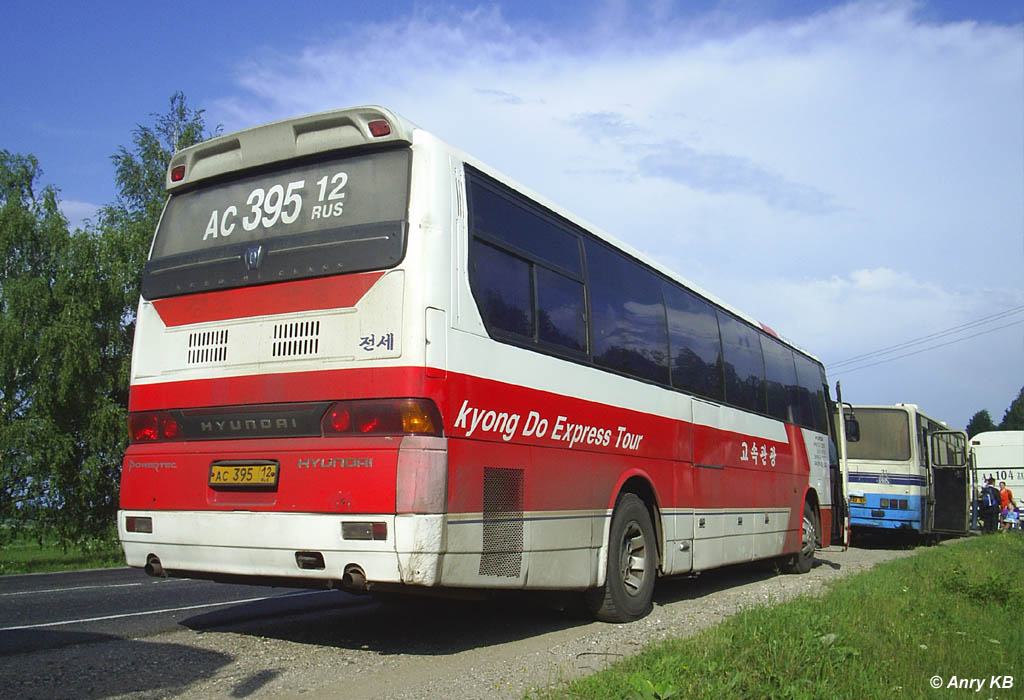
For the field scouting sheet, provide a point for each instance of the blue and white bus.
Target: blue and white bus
(907, 472)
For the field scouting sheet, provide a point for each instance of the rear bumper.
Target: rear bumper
(246, 544)
(887, 511)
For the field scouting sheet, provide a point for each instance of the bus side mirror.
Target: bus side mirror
(852, 430)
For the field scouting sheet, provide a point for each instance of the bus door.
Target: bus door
(841, 431)
(950, 487)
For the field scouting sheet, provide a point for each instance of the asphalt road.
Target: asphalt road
(101, 635)
(48, 611)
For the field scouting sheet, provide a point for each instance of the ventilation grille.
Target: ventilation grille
(502, 552)
(207, 346)
(296, 339)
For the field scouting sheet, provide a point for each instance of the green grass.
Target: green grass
(25, 555)
(885, 633)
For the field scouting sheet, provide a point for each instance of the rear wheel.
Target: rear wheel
(632, 562)
(800, 563)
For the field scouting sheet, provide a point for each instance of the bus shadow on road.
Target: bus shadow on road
(868, 538)
(45, 664)
(410, 624)
(431, 625)
(694, 587)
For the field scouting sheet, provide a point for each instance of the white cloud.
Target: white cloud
(950, 374)
(855, 165)
(78, 213)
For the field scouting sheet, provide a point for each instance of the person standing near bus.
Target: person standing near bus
(1005, 503)
(989, 502)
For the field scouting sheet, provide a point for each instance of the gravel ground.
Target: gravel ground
(410, 649)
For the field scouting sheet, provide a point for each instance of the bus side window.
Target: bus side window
(502, 287)
(628, 315)
(561, 310)
(695, 345)
(780, 379)
(744, 364)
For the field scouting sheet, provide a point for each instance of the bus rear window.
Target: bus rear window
(884, 435)
(328, 217)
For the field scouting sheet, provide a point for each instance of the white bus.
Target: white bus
(998, 454)
(366, 359)
(907, 472)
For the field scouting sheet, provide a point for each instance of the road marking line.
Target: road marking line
(156, 612)
(82, 588)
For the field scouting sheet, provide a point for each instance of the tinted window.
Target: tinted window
(744, 364)
(527, 270)
(811, 393)
(694, 343)
(628, 315)
(780, 381)
(511, 222)
(561, 314)
(323, 218)
(501, 283)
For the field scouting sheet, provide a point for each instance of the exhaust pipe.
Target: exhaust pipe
(153, 567)
(354, 577)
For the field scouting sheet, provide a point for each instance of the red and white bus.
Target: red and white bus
(365, 359)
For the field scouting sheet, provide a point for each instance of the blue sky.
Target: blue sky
(850, 173)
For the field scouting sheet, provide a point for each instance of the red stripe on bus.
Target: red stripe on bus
(574, 450)
(495, 412)
(336, 292)
(362, 383)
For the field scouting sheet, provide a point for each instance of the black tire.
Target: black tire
(632, 565)
(801, 562)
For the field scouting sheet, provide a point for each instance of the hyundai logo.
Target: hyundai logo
(253, 255)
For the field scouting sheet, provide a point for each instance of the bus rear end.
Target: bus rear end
(282, 426)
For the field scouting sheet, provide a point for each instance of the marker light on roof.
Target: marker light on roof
(177, 173)
(379, 128)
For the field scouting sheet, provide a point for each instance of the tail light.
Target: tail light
(383, 417)
(349, 418)
(153, 426)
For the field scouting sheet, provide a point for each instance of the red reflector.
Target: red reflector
(379, 128)
(364, 531)
(137, 524)
(177, 173)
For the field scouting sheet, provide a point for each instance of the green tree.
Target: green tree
(122, 237)
(128, 223)
(33, 239)
(980, 422)
(1013, 419)
(68, 304)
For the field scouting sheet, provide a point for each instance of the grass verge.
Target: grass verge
(26, 555)
(889, 632)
